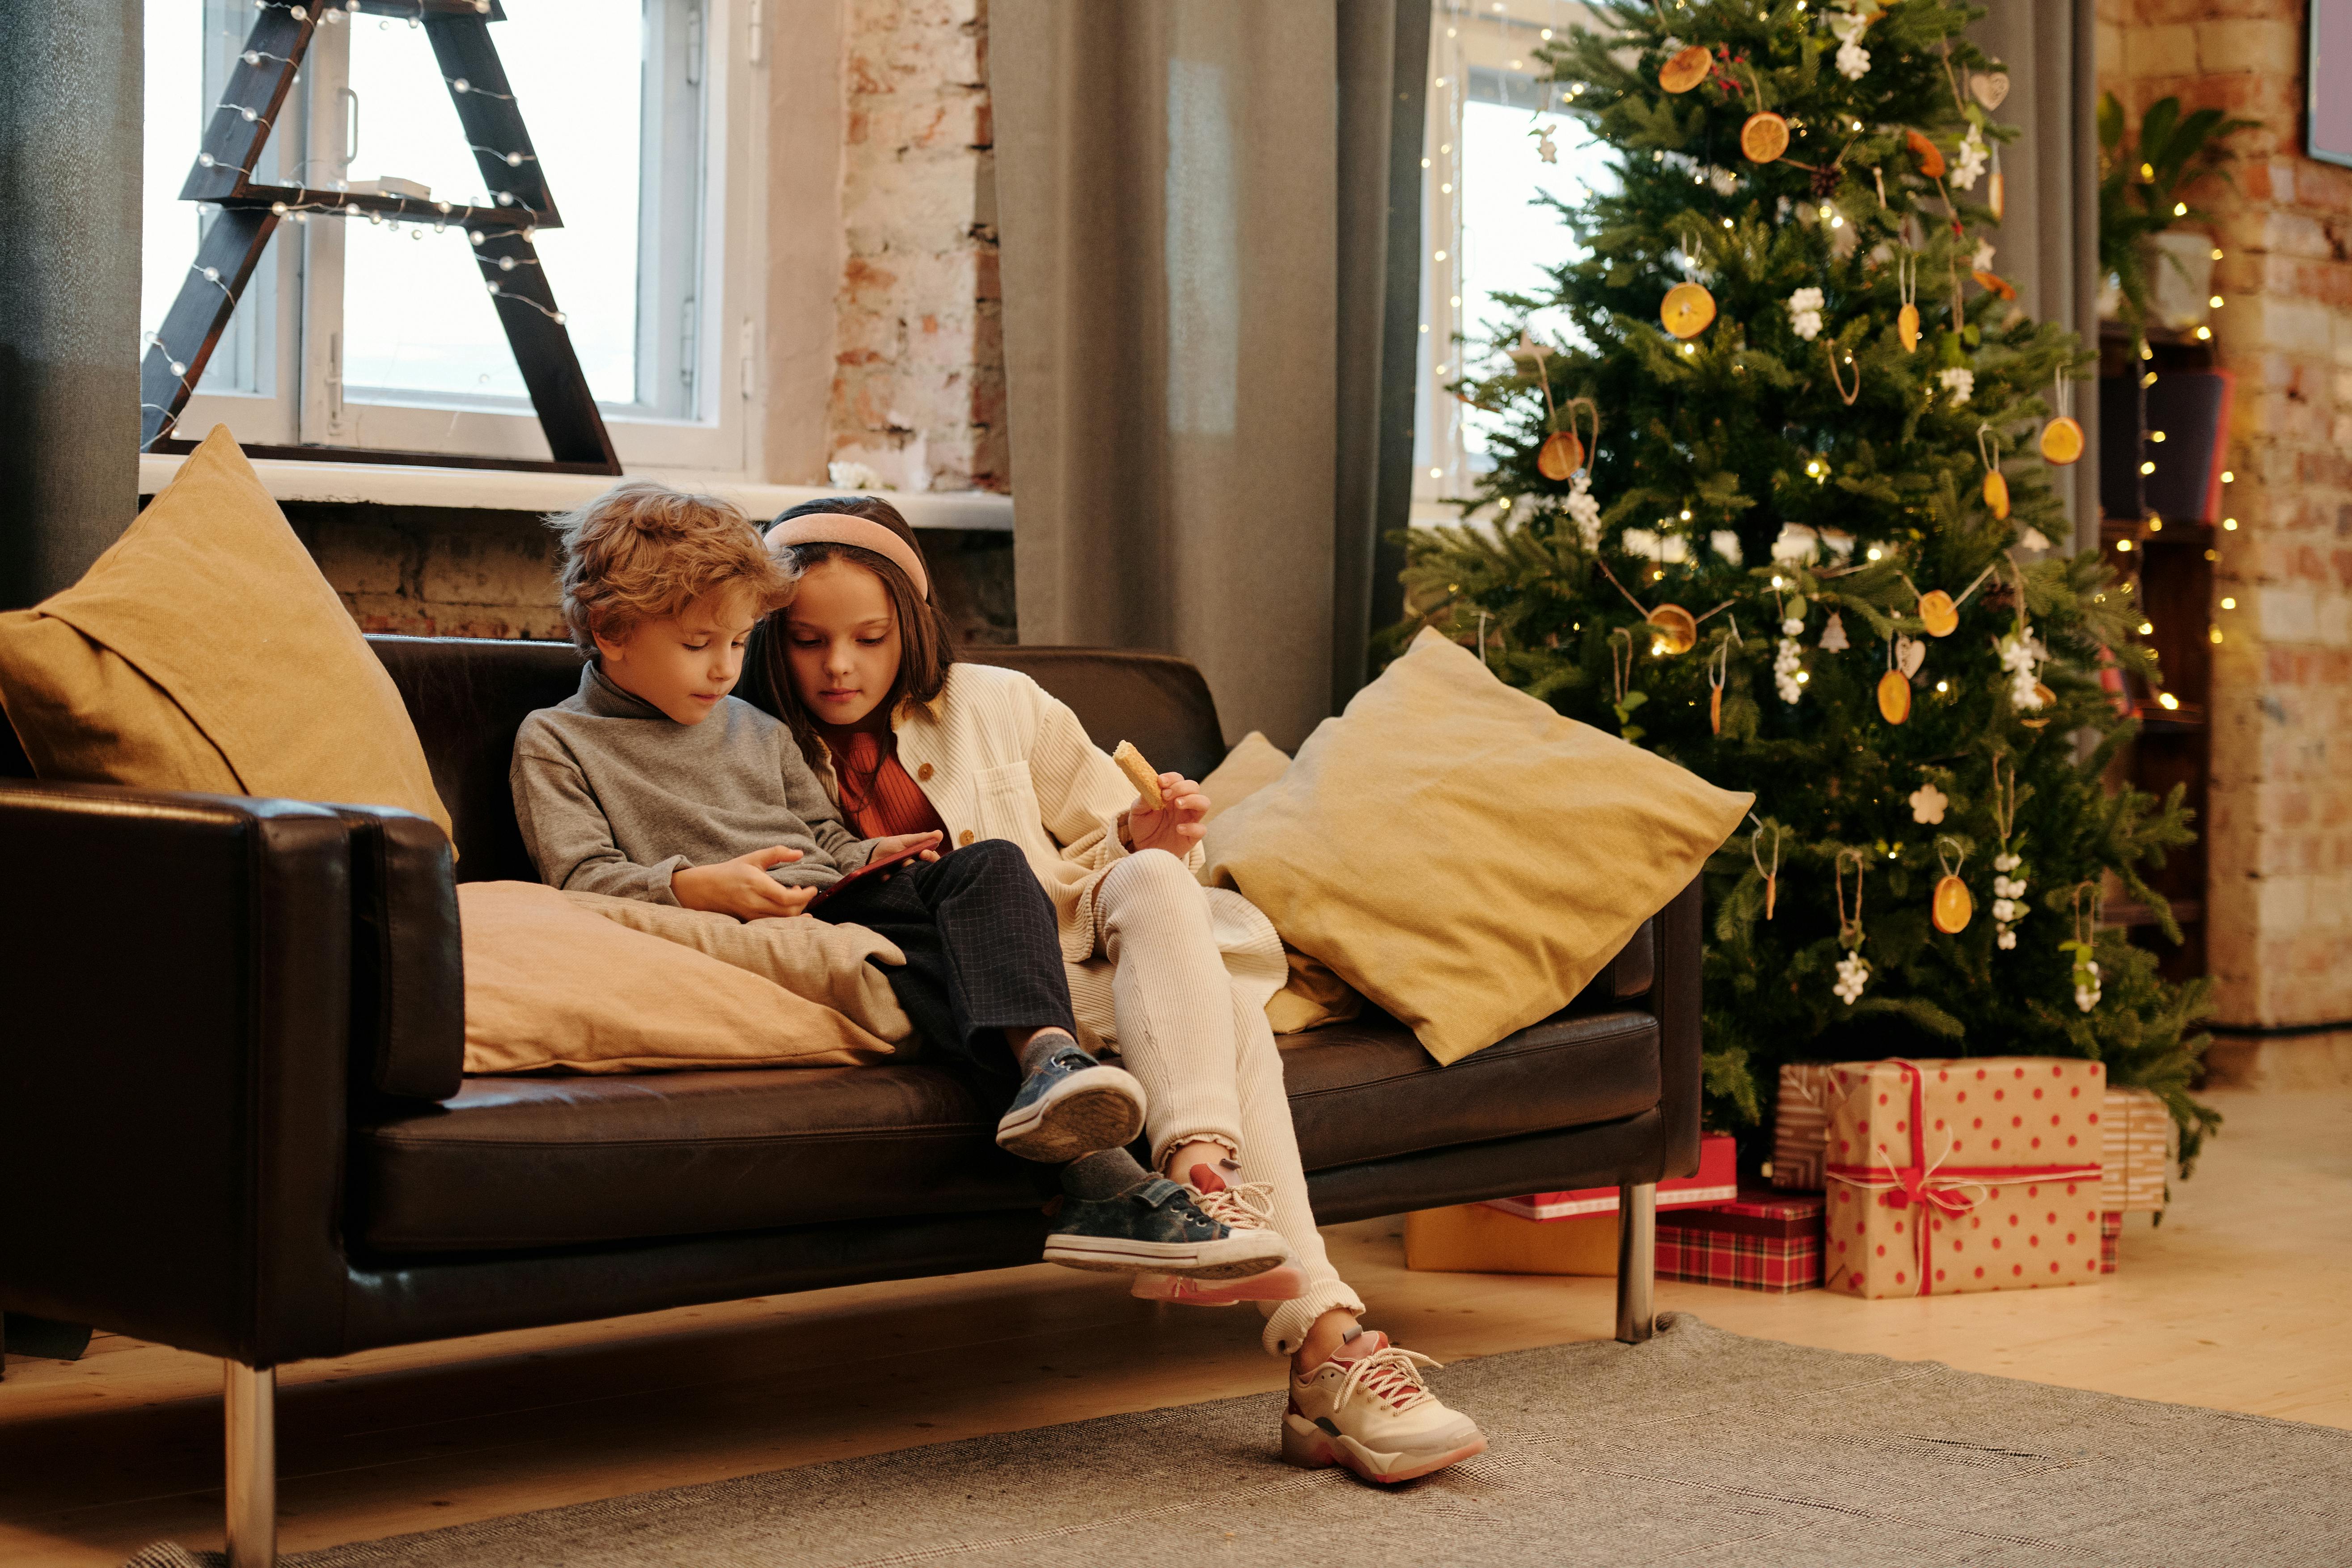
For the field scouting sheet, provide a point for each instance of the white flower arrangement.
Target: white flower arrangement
(1584, 509)
(1787, 663)
(1853, 974)
(2009, 899)
(2086, 984)
(1970, 166)
(1852, 59)
(1958, 381)
(2022, 654)
(1805, 313)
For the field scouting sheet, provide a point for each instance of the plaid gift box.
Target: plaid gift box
(1800, 1124)
(2111, 1235)
(1763, 1241)
(1959, 1175)
(2140, 1143)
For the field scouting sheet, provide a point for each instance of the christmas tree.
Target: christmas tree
(1778, 505)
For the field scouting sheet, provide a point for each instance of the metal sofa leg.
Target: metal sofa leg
(1637, 1261)
(250, 1398)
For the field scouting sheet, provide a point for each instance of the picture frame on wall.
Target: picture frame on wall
(2327, 82)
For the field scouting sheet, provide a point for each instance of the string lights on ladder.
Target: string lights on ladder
(500, 231)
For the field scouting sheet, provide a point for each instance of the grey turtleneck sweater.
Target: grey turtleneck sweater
(613, 796)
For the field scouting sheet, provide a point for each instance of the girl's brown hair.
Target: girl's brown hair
(926, 643)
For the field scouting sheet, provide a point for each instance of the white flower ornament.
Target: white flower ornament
(1928, 804)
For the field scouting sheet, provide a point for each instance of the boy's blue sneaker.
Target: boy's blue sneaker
(1155, 1227)
(1070, 1105)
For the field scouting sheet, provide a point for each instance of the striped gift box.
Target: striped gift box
(1800, 1124)
(1764, 1241)
(2139, 1143)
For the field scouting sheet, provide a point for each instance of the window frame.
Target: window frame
(305, 400)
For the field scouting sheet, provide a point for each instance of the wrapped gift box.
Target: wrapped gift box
(2140, 1142)
(2111, 1235)
(1556, 1233)
(1800, 1124)
(1763, 1240)
(1960, 1176)
(1718, 1178)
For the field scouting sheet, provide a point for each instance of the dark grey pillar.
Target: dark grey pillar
(70, 81)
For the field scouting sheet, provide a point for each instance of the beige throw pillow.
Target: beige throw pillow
(814, 959)
(1463, 855)
(204, 651)
(551, 985)
(1248, 768)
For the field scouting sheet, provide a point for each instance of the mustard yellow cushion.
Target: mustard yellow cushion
(1313, 995)
(204, 651)
(549, 984)
(1461, 853)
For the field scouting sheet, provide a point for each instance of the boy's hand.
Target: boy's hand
(1176, 826)
(885, 847)
(741, 887)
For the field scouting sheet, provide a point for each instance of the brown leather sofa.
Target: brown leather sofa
(233, 1117)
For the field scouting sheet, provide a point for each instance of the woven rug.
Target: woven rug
(1699, 1447)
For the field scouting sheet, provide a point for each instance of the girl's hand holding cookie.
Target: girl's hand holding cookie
(1176, 826)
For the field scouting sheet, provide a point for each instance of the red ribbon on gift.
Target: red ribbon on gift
(1935, 1185)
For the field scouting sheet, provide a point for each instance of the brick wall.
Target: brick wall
(919, 383)
(2280, 834)
(443, 571)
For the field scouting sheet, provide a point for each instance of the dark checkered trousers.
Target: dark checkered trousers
(983, 953)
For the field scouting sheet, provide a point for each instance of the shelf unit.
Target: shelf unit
(2167, 562)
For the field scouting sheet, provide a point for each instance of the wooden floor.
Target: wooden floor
(2236, 1301)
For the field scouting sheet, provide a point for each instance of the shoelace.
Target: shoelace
(1390, 1375)
(1249, 1206)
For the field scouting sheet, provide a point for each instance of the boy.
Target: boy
(653, 783)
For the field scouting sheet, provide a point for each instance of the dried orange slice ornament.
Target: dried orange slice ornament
(1931, 159)
(2061, 441)
(1906, 288)
(1993, 282)
(1996, 484)
(1677, 628)
(1943, 616)
(1686, 310)
(1907, 327)
(1764, 138)
(1953, 906)
(1687, 69)
(2048, 700)
(1894, 697)
(1561, 455)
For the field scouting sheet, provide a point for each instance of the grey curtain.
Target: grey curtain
(1196, 213)
(69, 164)
(2049, 240)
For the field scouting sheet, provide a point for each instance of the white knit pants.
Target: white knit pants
(1156, 989)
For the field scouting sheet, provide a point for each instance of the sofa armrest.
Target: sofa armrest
(408, 967)
(174, 977)
(1674, 1001)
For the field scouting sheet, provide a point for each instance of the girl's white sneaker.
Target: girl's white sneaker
(1368, 1408)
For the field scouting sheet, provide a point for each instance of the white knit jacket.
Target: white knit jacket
(1000, 757)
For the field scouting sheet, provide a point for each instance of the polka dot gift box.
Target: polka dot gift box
(1978, 1174)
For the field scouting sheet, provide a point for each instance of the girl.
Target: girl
(1176, 976)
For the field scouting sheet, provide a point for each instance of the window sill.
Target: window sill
(513, 491)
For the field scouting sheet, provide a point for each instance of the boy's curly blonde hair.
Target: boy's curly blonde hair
(643, 551)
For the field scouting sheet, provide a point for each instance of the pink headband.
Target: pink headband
(845, 528)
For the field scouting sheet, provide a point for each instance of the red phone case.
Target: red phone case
(871, 867)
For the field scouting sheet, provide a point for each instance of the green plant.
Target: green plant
(2140, 190)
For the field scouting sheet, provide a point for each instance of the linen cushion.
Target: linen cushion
(814, 959)
(551, 985)
(1463, 855)
(204, 651)
(1253, 764)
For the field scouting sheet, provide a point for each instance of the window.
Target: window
(356, 334)
(1486, 229)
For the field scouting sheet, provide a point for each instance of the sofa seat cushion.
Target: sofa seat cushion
(1367, 1091)
(529, 1162)
(522, 1162)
